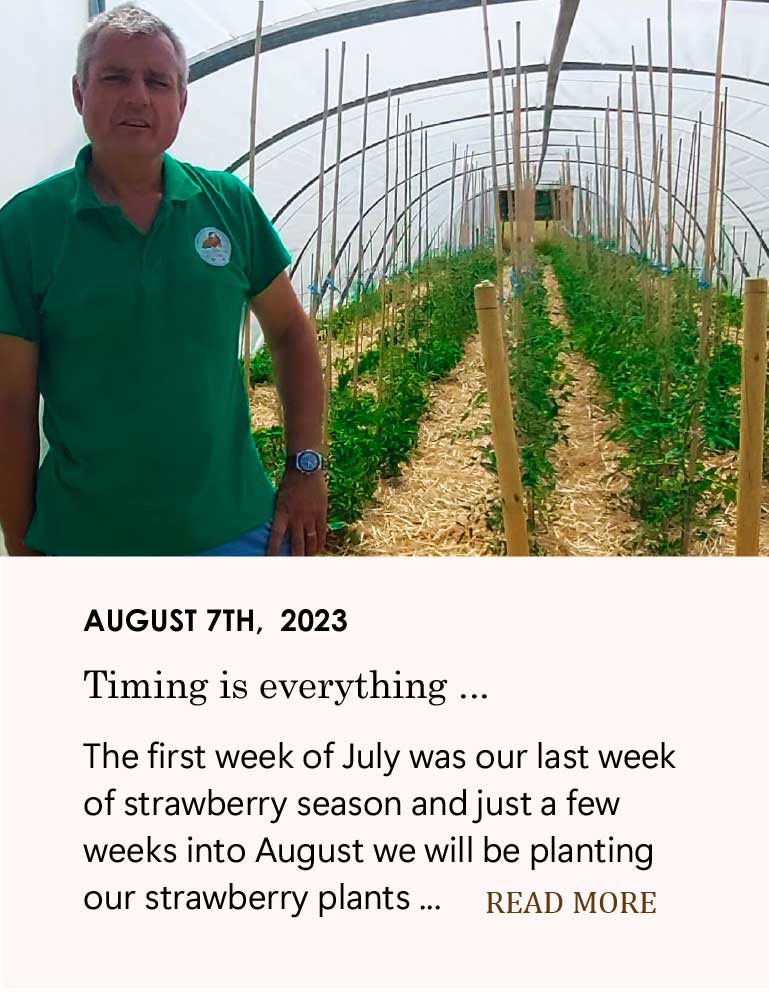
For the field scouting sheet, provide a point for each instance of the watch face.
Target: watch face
(308, 461)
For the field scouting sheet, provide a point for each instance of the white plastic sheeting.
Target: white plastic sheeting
(39, 41)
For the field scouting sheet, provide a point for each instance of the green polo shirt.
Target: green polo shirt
(145, 408)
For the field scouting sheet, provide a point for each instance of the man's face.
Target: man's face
(131, 103)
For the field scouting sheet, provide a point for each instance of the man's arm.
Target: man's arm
(19, 439)
(302, 504)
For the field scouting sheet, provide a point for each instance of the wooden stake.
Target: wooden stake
(750, 484)
(503, 426)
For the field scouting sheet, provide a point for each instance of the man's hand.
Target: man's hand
(302, 504)
(301, 511)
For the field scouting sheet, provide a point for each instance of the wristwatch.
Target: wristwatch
(307, 462)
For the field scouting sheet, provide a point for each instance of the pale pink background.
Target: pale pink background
(570, 652)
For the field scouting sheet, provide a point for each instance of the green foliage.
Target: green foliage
(261, 366)
(721, 414)
(354, 458)
(370, 437)
(653, 385)
(344, 320)
(538, 377)
(271, 446)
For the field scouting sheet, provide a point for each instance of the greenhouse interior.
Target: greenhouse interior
(532, 237)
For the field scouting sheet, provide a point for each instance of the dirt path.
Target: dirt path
(439, 505)
(588, 518)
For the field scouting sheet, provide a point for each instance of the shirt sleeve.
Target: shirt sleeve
(267, 256)
(19, 310)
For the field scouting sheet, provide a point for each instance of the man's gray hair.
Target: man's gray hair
(131, 21)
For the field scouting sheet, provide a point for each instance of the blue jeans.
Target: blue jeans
(252, 544)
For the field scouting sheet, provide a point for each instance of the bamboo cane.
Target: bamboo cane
(598, 211)
(639, 160)
(753, 401)
(655, 211)
(503, 426)
(694, 213)
(427, 193)
(251, 180)
(528, 129)
(427, 227)
(361, 202)
(607, 168)
(380, 367)
(408, 148)
(722, 181)
(453, 195)
(581, 200)
(321, 173)
(518, 177)
(421, 190)
(715, 153)
(394, 255)
(671, 195)
(335, 226)
(742, 266)
(657, 182)
(689, 183)
(621, 243)
(508, 168)
(707, 303)
(493, 136)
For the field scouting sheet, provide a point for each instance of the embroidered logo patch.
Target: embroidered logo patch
(213, 246)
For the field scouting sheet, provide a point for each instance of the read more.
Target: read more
(549, 903)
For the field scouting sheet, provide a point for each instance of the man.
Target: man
(123, 285)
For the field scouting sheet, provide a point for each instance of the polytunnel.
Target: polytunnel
(379, 134)
(429, 55)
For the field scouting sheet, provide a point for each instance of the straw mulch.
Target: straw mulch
(438, 506)
(722, 534)
(588, 518)
(265, 406)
